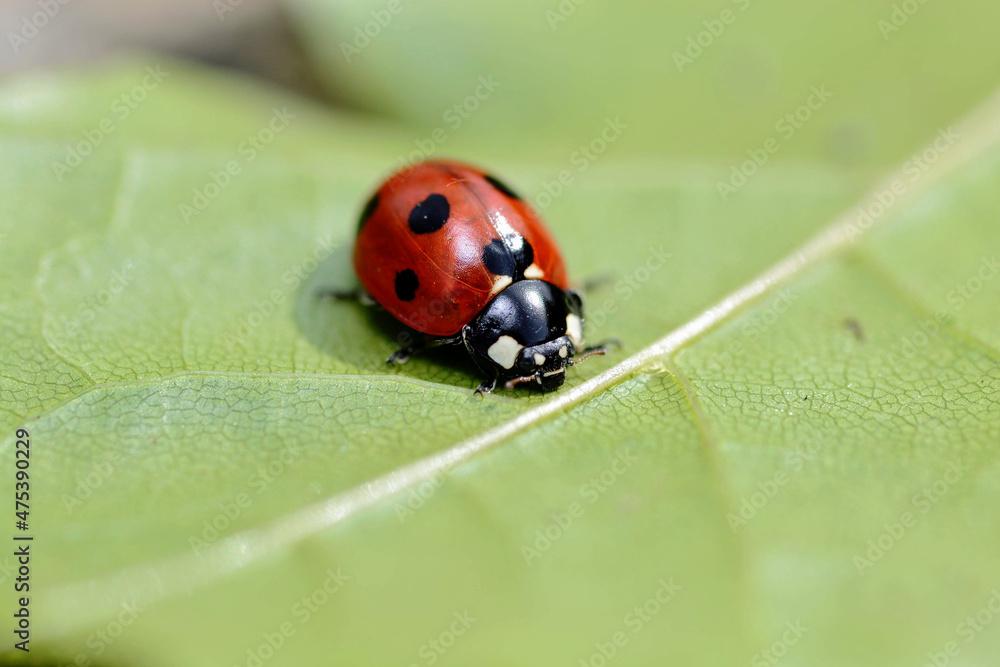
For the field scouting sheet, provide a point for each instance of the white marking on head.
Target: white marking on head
(574, 329)
(534, 271)
(563, 352)
(539, 359)
(555, 372)
(500, 283)
(505, 351)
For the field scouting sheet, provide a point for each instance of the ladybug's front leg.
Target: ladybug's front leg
(403, 354)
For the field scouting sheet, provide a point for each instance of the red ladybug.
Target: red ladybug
(455, 254)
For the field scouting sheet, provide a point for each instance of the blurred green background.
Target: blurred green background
(812, 482)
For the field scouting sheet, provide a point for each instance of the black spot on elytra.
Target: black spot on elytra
(502, 261)
(498, 259)
(501, 186)
(406, 285)
(368, 210)
(525, 257)
(430, 214)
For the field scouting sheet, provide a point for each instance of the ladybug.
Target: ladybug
(453, 253)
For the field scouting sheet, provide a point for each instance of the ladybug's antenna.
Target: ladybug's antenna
(586, 354)
(597, 350)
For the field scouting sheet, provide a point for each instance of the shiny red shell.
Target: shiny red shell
(429, 263)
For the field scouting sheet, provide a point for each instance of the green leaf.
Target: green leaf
(222, 464)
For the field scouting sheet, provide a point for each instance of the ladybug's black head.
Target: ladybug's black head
(527, 334)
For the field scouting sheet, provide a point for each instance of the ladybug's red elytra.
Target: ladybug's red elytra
(453, 253)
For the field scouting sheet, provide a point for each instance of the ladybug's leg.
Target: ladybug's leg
(403, 354)
(486, 387)
(357, 294)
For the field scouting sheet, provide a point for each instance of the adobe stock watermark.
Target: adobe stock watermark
(453, 118)
(759, 321)
(900, 15)
(755, 325)
(913, 170)
(795, 461)
(248, 151)
(625, 288)
(922, 502)
(751, 504)
(257, 483)
(34, 23)
(967, 630)
(634, 622)
(581, 159)
(433, 649)
(772, 655)
(223, 7)
(99, 641)
(956, 298)
(90, 481)
(121, 108)
(590, 492)
(7, 568)
(562, 12)
(294, 276)
(365, 34)
(698, 44)
(91, 308)
(785, 128)
(417, 496)
(301, 612)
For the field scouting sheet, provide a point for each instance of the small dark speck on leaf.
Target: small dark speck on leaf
(855, 328)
